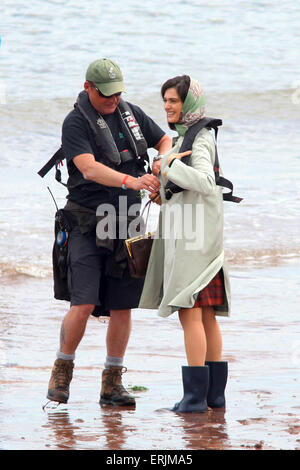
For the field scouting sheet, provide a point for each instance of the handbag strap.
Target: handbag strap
(148, 204)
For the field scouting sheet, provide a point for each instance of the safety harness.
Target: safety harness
(108, 151)
(189, 137)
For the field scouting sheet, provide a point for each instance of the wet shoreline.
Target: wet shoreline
(260, 344)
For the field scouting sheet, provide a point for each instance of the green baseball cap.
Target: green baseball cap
(107, 76)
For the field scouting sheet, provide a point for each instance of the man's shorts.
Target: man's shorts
(88, 281)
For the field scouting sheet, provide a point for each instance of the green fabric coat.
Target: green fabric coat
(188, 249)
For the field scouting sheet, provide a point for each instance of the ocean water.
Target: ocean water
(245, 54)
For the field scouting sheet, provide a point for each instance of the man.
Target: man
(104, 140)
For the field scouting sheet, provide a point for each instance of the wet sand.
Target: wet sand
(261, 344)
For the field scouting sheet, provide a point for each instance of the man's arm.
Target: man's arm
(102, 174)
(164, 145)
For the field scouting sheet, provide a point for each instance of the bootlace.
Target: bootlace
(62, 375)
(115, 373)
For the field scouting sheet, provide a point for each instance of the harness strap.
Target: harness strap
(220, 180)
(104, 139)
(55, 160)
(187, 144)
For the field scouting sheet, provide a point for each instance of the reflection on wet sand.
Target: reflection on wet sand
(114, 429)
(62, 430)
(204, 430)
(197, 431)
(262, 400)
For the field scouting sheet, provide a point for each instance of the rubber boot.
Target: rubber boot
(195, 387)
(61, 376)
(218, 372)
(112, 390)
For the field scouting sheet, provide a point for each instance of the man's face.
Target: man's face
(104, 105)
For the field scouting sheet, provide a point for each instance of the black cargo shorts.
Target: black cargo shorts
(89, 282)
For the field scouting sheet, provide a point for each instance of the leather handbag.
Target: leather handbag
(138, 250)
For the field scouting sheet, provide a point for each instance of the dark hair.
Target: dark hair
(180, 83)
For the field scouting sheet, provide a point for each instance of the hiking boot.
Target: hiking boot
(62, 373)
(112, 390)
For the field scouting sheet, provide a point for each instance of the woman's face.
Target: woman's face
(173, 105)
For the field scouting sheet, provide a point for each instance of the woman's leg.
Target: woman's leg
(213, 335)
(194, 335)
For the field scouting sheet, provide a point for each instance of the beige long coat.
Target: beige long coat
(188, 249)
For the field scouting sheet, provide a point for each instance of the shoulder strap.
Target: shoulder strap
(190, 135)
(133, 130)
(134, 134)
(192, 131)
(103, 137)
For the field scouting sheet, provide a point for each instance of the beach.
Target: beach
(260, 344)
(250, 76)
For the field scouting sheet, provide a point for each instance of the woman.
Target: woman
(187, 271)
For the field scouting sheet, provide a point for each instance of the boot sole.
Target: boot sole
(57, 399)
(106, 401)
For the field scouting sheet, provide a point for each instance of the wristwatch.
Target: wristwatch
(157, 158)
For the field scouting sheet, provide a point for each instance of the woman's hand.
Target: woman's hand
(156, 167)
(178, 155)
(155, 197)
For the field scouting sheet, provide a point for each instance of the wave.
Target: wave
(262, 257)
(18, 271)
(238, 105)
(272, 104)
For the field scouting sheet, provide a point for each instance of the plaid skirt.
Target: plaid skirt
(213, 294)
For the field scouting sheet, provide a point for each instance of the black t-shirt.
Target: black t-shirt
(78, 138)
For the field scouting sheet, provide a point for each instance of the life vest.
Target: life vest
(187, 143)
(108, 151)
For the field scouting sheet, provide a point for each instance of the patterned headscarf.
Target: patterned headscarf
(193, 108)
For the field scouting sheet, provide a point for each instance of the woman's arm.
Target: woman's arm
(199, 177)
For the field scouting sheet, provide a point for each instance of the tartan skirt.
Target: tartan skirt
(213, 294)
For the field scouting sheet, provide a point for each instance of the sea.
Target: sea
(246, 55)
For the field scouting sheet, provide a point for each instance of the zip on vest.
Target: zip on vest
(189, 137)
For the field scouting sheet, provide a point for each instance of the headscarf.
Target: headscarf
(193, 107)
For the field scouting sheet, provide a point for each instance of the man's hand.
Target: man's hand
(149, 182)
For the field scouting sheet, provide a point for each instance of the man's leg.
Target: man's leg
(72, 331)
(118, 332)
(73, 327)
